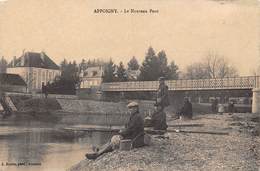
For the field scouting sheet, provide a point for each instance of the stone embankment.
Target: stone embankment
(73, 111)
(91, 106)
(98, 112)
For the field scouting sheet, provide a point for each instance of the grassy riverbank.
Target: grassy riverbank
(239, 150)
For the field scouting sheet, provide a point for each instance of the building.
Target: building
(133, 74)
(35, 69)
(12, 83)
(92, 77)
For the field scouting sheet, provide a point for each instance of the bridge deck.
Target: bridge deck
(248, 82)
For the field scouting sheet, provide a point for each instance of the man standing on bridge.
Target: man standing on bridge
(162, 94)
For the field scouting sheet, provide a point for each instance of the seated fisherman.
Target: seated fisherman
(134, 131)
(158, 118)
(186, 110)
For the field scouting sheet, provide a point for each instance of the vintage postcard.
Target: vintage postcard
(133, 85)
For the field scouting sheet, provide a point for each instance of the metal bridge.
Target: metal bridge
(248, 82)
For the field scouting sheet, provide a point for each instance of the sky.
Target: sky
(187, 30)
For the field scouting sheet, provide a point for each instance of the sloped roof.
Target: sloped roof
(33, 59)
(11, 79)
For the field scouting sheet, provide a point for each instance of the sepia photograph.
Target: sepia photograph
(133, 85)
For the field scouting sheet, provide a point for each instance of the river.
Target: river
(38, 146)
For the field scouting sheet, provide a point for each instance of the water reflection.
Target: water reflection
(48, 145)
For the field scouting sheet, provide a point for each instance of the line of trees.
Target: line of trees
(156, 65)
(114, 73)
(153, 67)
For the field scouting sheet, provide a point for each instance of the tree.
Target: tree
(163, 68)
(109, 72)
(167, 71)
(3, 65)
(121, 72)
(133, 64)
(219, 67)
(63, 65)
(154, 67)
(75, 72)
(69, 71)
(212, 66)
(83, 66)
(196, 71)
(149, 69)
(69, 79)
(173, 73)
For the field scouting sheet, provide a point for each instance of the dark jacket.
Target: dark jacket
(159, 120)
(135, 130)
(231, 107)
(214, 105)
(186, 110)
(162, 94)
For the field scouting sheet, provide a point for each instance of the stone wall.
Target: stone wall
(91, 106)
(98, 112)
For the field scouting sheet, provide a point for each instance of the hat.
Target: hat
(161, 78)
(132, 104)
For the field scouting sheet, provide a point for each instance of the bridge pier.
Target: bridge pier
(256, 100)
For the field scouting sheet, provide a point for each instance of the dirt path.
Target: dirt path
(239, 150)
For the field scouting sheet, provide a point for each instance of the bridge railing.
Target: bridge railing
(248, 82)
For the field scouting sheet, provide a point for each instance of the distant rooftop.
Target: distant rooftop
(11, 79)
(33, 59)
(95, 71)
